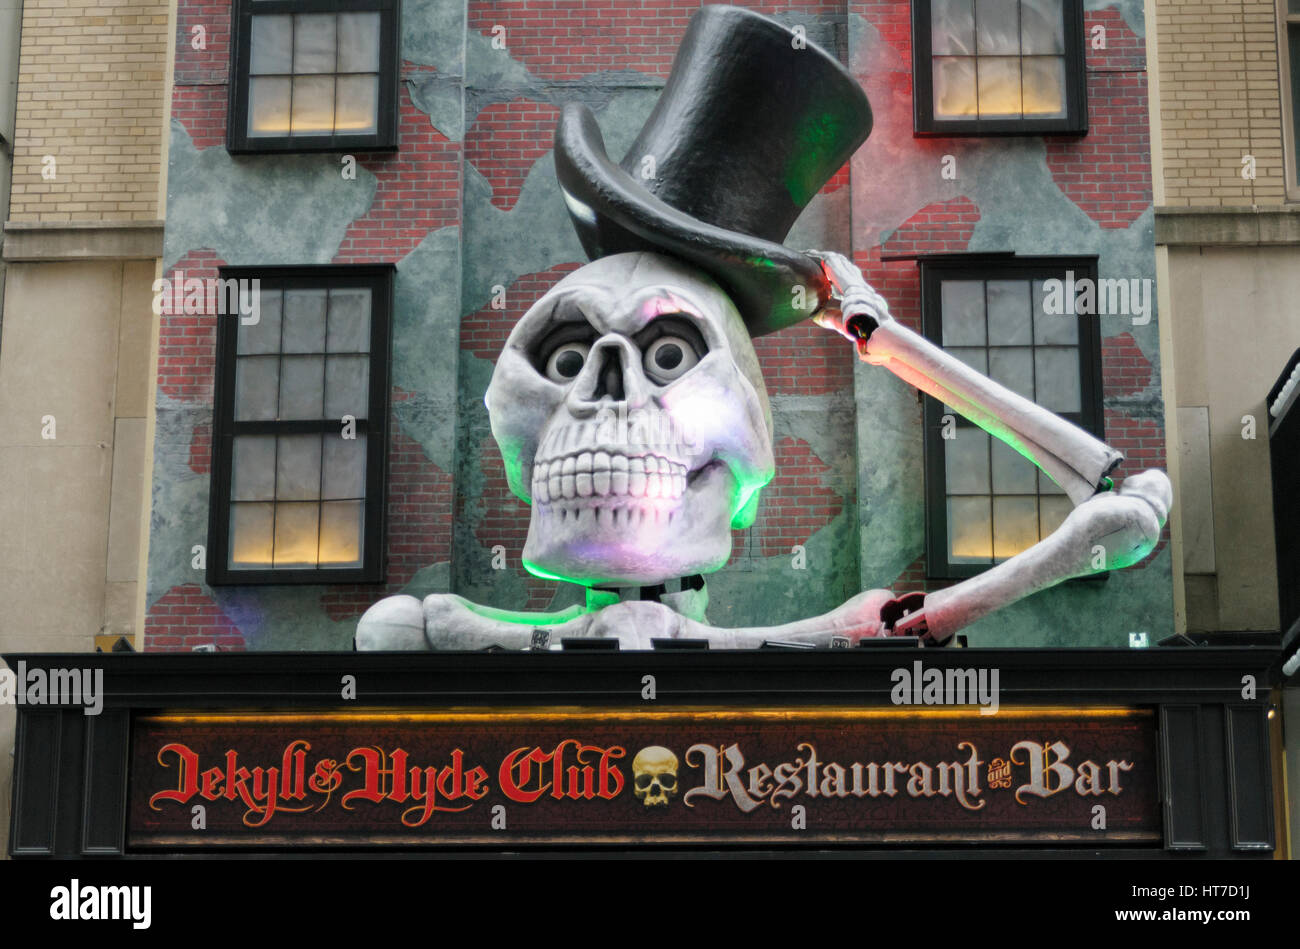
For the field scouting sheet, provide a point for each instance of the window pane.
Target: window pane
(313, 43)
(358, 42)
(272, 45)
(999, 87)
(1042, 26)
(304, 321)
(1014, 368)
(264, 335)
(301, 384)
(296, 534)
(346, 381)
(313, 105)
(1013, 473)
(256, 383)
(349, 321)
(1055, 327)
(340, 533)
(1058, 378)
(963, 312)
(268, 106)
(253, 474)
(1052, 512)
(966, 461)
(997, 27)
(1015, 526)
(954, 88)
(357, 109)
(1009, 322)
(297, 468)
(1046, 485)
(952, 27)
(1043, 87)
(250, 534)
(969, 531)
(343, 467)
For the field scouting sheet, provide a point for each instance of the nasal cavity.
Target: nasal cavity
(609, 380)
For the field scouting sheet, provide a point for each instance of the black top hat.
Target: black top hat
(752, 122)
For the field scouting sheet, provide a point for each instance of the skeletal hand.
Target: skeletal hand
(861, 309)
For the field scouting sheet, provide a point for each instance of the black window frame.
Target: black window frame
(385, 136)
(1074, 122)
(380, 279)
(1091, 415)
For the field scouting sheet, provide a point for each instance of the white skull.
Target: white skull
(631, 414)
(654, 776)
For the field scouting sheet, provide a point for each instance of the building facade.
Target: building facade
(1228, 252)
(83, 150)
(461, 202)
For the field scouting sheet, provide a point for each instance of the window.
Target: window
(987, 67)
(984, 501)
(1289, 43)
(300, 428)
(313, 75)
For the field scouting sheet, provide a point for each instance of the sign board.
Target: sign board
(679, 776)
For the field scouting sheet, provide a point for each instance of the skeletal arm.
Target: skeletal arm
(1106, 530)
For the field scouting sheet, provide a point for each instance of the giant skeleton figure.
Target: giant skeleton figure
(629, 406)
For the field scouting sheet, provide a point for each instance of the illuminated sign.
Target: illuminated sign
(712, 776)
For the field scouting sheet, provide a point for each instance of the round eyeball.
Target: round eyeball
(669, 357)
(566, 362)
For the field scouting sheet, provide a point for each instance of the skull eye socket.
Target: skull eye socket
(643, 781)
(566, 361)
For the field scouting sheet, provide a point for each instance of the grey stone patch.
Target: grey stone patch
(442, 100)
(501, 246)
(767, 591)
(433, 34)
(178, 512)
(426, 330)
(830, 32)
(1087, 613)
(435, 578)
(488, 68)
(824, 223)
(285, 618)
(535, 234)
(825, 423)
(259, 209)
(1131, 10)
(891, 475)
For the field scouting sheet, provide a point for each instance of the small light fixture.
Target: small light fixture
(1138, 641)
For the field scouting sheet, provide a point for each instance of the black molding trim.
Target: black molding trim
(1181, 742)
(1075, 121)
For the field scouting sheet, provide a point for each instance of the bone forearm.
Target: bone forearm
(1070, 456)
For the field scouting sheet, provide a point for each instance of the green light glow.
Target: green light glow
(528, 619)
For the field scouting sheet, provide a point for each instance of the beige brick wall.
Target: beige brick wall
(1217, 67)
(90, 94)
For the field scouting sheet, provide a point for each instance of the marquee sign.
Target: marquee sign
(711, 776)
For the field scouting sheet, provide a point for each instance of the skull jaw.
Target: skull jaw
(633, 542)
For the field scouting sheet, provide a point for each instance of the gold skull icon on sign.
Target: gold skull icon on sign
(654, 776)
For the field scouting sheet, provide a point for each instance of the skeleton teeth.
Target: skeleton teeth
(652, 485)
(541, 491)
(583, 483)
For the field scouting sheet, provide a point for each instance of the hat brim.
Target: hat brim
(772, 286)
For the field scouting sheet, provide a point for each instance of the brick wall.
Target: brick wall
(1219, 101)
(90, 86)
